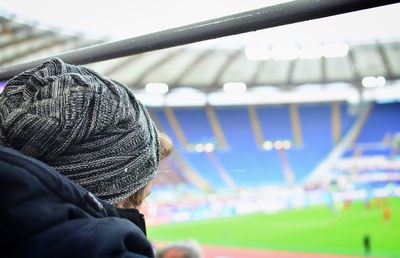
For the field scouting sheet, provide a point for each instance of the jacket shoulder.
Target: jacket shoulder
(44, 214)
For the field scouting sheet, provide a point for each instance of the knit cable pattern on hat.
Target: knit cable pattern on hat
(90, 128)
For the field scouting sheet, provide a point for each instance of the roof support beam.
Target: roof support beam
(355, 71)
(258, 70)
(323, 70)
(382, 54)
(121, 64)
(192, 65)
(292, 67)
(23, 37)
(217, 80)
(139, 82)
(48, 44)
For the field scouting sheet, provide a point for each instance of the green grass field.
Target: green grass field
(314, 229)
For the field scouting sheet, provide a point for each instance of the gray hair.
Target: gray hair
(191, 249)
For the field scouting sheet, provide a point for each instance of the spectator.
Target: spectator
(95, 132)
(367, 245)
(184, 249)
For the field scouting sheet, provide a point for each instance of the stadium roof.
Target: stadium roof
(359, 49)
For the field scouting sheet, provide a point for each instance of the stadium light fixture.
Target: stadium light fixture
(278, 145)
(287, 144)
(335, 50)
(267, 145)
(285, 52)
(369, 82)
(199, 147)
(152, 100)
(208, 147)
(234, 87)
(372, 81)
(257, 53)
(184, 96)
(380, 81)
(313, 51)
(156, 88)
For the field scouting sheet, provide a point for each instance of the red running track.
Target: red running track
(233, 252)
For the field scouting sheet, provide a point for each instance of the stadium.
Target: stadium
(286, 139)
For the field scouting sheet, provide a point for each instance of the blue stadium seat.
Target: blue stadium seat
(275, 122)
(382, 120)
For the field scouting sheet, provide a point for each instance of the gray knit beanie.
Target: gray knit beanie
(89, 128)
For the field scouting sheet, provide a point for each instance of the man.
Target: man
(75, 144)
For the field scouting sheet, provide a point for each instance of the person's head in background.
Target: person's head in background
(89, 128)
(183, 249)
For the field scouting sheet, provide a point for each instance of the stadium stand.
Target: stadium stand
(381, 121)
(246, 163)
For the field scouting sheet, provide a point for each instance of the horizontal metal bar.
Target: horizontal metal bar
(291, 12)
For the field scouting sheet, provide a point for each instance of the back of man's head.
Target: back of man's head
(183, 249)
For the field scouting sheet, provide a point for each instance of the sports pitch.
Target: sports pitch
(314, 229)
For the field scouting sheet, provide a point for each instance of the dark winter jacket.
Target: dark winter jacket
(44, 214)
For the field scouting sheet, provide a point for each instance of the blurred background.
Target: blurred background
(286, 139)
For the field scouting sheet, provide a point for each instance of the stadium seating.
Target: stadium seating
(382, 120)
(371, 163)
(244, 162)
